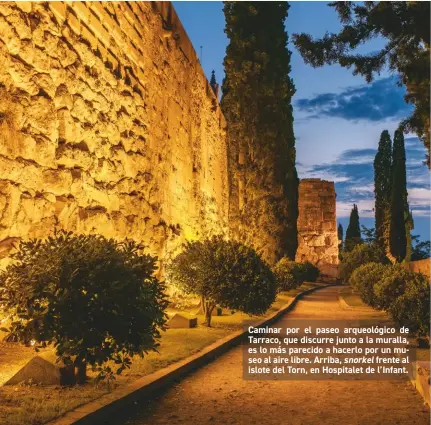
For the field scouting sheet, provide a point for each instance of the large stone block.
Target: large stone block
(178, 321)
(41, 371)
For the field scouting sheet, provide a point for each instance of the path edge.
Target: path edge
(106, 406)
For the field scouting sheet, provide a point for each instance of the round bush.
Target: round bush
(224, 273)
(412, 308)
(360, 254)
(289, 274)
(391, 285)
(94, 299)
(309, 271)
(364, 278)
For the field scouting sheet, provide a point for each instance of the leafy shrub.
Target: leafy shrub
(360, 254)
(364, 278)
(309, 272)
(412, 308)
(289, 274)
(391, 285)
(94, 299)
(224, 273)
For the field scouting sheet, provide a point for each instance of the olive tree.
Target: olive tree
(226, 273)
(94, 299)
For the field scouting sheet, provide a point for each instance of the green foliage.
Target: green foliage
(405, 26)
(256, 103)
(404, 294)
(412, 308)
(340, 234)
(353, 233)
(382, 189)
(364, 278)
(224, 273)
(391, 286)
(399, 206)
(369, 235)
(93, 298)
(421, 249)
(289, 274)
(309, 272)
(360, 254)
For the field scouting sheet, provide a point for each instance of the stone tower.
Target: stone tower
(317, 225)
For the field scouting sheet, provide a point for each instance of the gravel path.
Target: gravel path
(217, 394)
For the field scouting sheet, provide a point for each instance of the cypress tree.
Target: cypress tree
(410, 225)
(340, 233)
(256, 103)
(399, 205)
(213, 82)
(382, 189)
(353, 233)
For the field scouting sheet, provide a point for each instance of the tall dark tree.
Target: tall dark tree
(340, 232)
(213, 82)
(410, 225)
(406, 27)
(382, 189)
(257, 93)
(353, 232)
(399, 206)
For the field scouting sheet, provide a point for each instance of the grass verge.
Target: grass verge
(36, 405)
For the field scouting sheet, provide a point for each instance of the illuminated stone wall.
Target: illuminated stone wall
(107, 125)
(317, 225)
(419, 266)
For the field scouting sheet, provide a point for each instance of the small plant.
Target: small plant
(95, 299)
(289, 274)
(364, 278)
(224, 273)
(359, 255)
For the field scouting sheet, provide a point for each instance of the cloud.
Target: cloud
(357, 156)
(377, 101)
(420, 196)
(353, 174)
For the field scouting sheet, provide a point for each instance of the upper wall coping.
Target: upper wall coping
(172, 22)
(315, 180)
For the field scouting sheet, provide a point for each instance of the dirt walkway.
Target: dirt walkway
(217, 394)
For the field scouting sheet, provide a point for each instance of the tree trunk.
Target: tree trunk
(81, 373)
(208, 308)
(67, 375)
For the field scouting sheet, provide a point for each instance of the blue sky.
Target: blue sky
(338, 117)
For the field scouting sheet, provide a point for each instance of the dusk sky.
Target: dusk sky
(338, 116)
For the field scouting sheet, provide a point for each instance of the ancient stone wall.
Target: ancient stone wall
(419, 266)
(107, 125)
(317, 225)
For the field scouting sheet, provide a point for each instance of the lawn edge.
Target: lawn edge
(107, 405)
(346, 306)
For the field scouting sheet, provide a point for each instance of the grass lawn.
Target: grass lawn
(36, 405)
